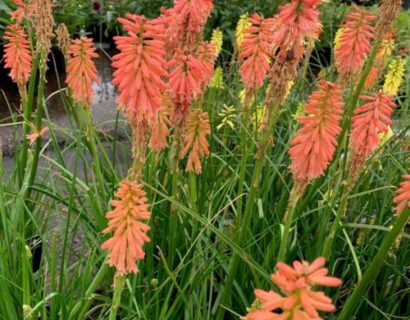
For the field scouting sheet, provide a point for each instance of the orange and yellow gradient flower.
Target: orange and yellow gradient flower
(129, 232)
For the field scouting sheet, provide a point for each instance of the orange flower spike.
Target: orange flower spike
(371, 119)
(402, 198)
(299, 301)
(354, 41)
(297, 22)
(17, 54)
(140, 67)
(160, 130)
(315, 142)
(81, 70)
(185, 79)
(126, 244)
(188, 21)
(23, 11)
(255, 51)
(206, 55)
(195, 143)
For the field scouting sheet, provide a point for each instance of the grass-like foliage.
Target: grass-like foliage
(230, 184)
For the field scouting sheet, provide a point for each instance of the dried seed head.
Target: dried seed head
(63, 40)
(44, 23)
(388, 11)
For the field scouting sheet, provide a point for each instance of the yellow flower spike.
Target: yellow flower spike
(385, 136)
(386, 49)
(242, 25)
(217, 80)
(217, 40)
(336, 41)
(227, 115)
(394, 75)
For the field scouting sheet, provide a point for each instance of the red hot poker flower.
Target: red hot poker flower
(354, 42)
(23, 11)
(299, 300)
(371, 119)
(315, 142)
(126, 244)
(17, 54)
(402, 198)
(81, 70)
(160, 130)
(255, 51)
(296, 23)
(188, 20)
(185, 80)
(140, 67)
(206, 54)
(195, 143)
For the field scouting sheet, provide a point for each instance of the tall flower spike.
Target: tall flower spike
(140, 67)
(298, 300)
(315, 142)
(217, 41)
(185, 80)
(17, 54)
(296, 23)
(63, 40)
(387, 12)
(24, 10)
(243, 24)
(354, 41)
(254, 51)
(383, 54)
(126, 244)
(189, 18)
(371, 119)
(296, 27)
(207, 56)
(402, 198)
(160, 130)
(393, 77)
(195, 143)
(44, 22)
(81, 70)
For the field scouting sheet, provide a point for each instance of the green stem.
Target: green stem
(84, 304)
(244, 161)
(336, 224)
(116, 300)
(353, 302)
(27, 112)
(173, 219)
(295, 195)
(193, 191)
(38, 123)
(244, 223)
